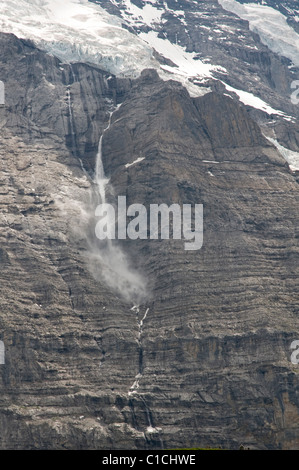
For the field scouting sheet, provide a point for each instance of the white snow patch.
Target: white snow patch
(151, 430)
(133, 163)
(146, 15)
(251, 100)
(186, 65)
(270, 25)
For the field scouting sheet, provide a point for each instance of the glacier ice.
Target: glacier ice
(270, 25)
(77, 30)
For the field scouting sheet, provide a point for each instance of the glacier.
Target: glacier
(81, 31)
(270, 25)
(77, 31)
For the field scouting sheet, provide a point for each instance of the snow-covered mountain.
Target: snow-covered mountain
(79, 30)
(197, 43)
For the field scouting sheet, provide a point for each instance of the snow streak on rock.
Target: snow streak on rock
(289, 155)
(251, 100)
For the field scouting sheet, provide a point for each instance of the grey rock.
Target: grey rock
(210, 364)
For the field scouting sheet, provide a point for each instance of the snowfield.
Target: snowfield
(186, 65)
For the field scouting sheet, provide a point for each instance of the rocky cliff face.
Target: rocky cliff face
(205, 359)
(228, 303)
